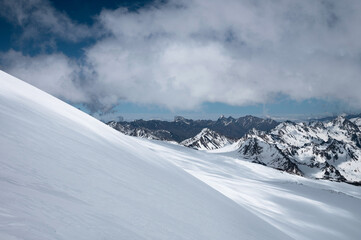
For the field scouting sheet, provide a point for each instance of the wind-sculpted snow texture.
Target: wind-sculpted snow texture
(327, 150)
(65, 175)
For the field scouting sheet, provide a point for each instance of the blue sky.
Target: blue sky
(199, 59)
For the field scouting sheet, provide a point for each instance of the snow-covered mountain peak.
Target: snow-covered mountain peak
(207, 139)
(341, 123)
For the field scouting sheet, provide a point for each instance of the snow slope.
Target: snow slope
(65, 175)
(301, 208)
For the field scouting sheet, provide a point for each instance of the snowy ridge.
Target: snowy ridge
(65, 175)
(330, 150)
(207, 140)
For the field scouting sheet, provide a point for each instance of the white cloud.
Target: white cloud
(237, 52)
(183, 53)
(55, 74)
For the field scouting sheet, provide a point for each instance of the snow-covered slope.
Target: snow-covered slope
(207, 140)
(65, 175)
(300, 207)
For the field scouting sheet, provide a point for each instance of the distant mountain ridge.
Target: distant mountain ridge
(181, 128)
(330, 118)
(328, 149)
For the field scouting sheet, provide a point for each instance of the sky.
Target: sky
(195, 58)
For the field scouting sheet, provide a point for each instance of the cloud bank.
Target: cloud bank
(181, 54)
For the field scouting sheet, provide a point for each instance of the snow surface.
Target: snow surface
(301, 208)
(65, 175)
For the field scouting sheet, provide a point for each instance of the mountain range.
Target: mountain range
(325, 149)
(181, 128)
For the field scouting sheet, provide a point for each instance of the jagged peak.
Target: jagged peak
(222, 118)
(202, 133)
(206, 139)
(344, 124)
(206, 132)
